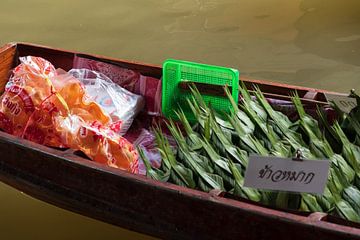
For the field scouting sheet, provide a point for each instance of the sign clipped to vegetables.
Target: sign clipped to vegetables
(287, 174)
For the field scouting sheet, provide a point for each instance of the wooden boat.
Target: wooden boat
(135, 202)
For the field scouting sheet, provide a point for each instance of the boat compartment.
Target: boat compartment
(66, 178)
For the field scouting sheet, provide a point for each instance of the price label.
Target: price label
(344, 102)
(286, 174)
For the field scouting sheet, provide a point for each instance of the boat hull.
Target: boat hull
(164, 210)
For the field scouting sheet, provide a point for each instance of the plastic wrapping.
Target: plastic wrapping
(148, 87)
(119, 103)
(51, 108)
(146, 141)
(28, 103)
(98, 142)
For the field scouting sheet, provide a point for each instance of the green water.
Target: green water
(314, 43)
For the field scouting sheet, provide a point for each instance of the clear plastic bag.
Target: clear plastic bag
(119, 103)
(29, 102)
(148, 87)
(51, 107)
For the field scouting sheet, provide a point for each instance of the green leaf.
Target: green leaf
(344, 209)
(309, 125)
(225, 146)
(326, 201)
(192, 137)
(153, 172)
(245, 138)
(343, 169)
(350, 152)
(183, 176)
(282, 121)
(206, 183)
(220, 164)
(207, 178)
(352, 195)
(311, 202)
(179, 174)
(239, 189)
(282, 199)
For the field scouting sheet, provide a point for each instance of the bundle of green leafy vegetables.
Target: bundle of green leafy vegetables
(213, 152)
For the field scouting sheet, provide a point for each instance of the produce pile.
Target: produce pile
(213, 152)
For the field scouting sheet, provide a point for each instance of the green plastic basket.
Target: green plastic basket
(176, 73)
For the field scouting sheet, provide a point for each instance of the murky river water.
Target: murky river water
(313, 43)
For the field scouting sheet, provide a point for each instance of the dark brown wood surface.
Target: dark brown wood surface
(7, 53)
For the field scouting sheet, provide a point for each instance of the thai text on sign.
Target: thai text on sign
(286, 174)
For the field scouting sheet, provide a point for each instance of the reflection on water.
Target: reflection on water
(314, 43)
(335, 32)
(310, 42)
(22, 217)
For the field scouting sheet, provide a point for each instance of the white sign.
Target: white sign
(286, 174)
(344, 102)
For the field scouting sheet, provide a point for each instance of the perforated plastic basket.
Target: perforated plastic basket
(176, 73)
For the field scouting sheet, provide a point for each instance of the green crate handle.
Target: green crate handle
(176, 72)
